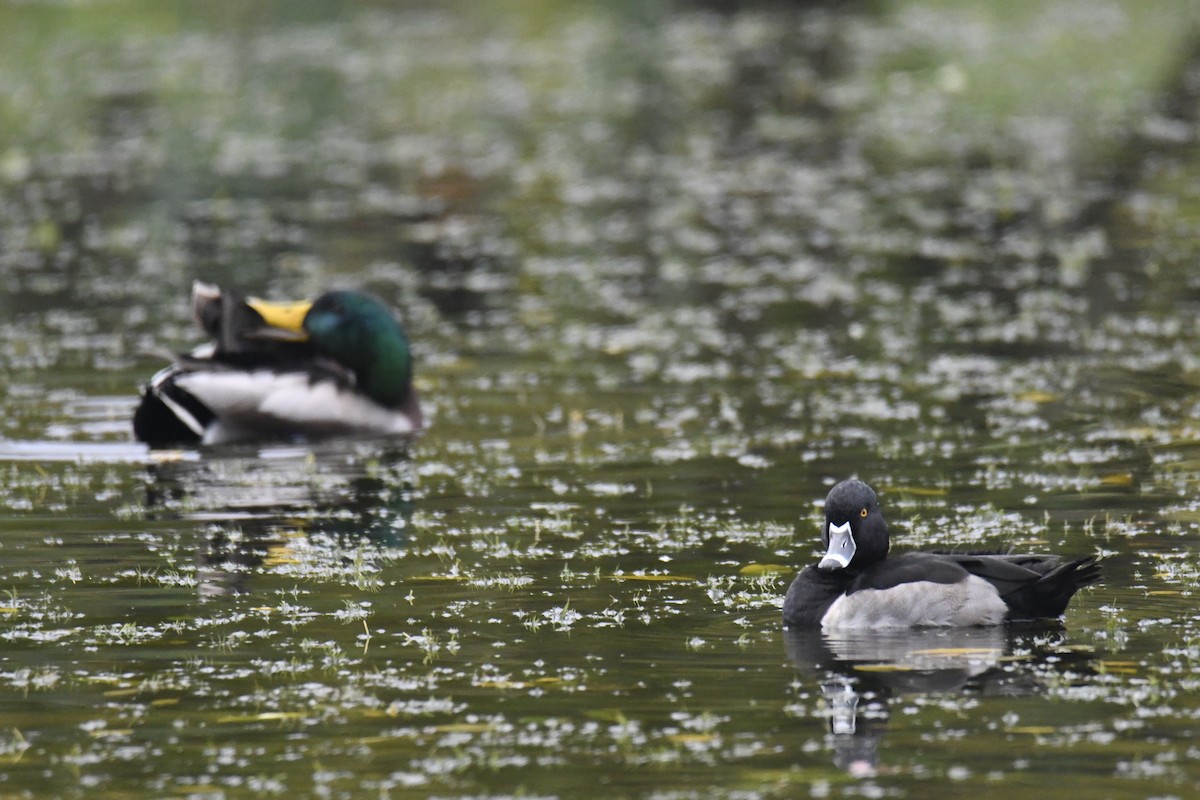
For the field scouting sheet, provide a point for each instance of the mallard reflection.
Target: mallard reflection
(259, 512)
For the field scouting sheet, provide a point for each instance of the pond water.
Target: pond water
(670, 270)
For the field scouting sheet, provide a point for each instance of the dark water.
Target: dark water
(670, 271)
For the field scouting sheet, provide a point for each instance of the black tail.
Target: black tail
(1049, 594)
(1034, 586)
(160, 418)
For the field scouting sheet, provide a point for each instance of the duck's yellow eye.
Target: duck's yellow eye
(862, 513)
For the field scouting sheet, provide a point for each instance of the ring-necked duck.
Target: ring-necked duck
(856, 585)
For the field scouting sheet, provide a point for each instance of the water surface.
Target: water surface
(670, 271)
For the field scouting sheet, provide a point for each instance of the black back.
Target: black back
(907, 568)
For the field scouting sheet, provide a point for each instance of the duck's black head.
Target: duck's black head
(855, 532)
(359, 332)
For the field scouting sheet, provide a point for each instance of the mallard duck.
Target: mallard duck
(856, 584)
(339, 364)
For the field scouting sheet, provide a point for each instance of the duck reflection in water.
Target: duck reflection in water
(260, 510)
(861, 673)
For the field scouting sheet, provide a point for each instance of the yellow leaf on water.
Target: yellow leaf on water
(1119, 667)
(1036, 730)
(1117, 479)
(693, 738)
(165, 701)
(1037, 396)
(110, 733)
(659, 578)
(121, 692)
(763, 569)
(1164, 592)
(9, 610)
(882, 668)
(266, 716)
(280, 554)
(465, 727)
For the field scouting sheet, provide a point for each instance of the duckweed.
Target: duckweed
(669, 271)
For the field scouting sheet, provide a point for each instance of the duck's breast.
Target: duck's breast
(810, 596)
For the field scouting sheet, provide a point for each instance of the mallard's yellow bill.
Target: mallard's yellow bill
(288, 316)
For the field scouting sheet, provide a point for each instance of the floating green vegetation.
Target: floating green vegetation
(670, 270)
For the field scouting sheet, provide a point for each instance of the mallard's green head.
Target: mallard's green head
(359, 332)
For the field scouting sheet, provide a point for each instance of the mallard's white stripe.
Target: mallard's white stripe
(973, 601)
(263, 399)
